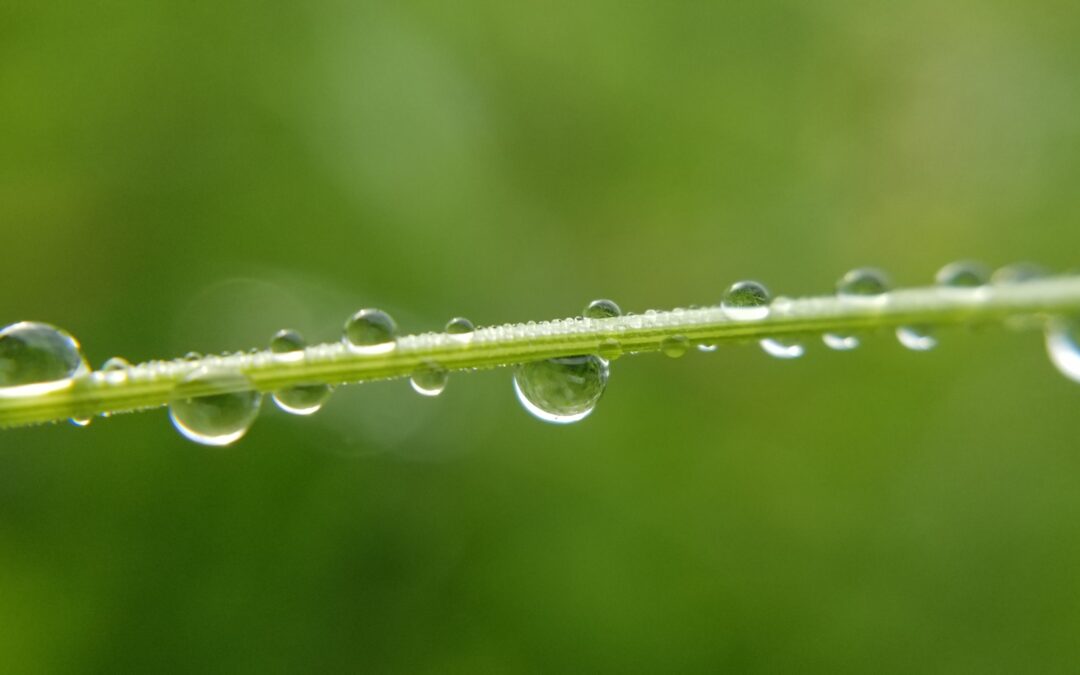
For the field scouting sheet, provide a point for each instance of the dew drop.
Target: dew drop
(675, 346)
(1018, 273)
(1063, 346)
(371, 331)
(602, 309)
(301, 399)
(963, 274)
(460, 329)
(36, 358)
(916, 338)
(81, 421)
(840, 343)
(746, 301)
(782, 349)
(214, 408)
(192, 356)
(707, 348)
(115, 364)
(429, 379)
(561, 390)
(610, 349)
(863, 284)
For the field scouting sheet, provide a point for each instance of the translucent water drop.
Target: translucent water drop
(430, 379)
(963, 274)
(746, 301)
(864, 284)
(1063, 346)
(610, 349)
(1018, 273)
(371, 331)
(301, 399)
(916, 338)
(840, 343)
(114, 364)
(674, 346)
(214, 408)
(460, 329)
(36, 358)
(192, 356)
(602, 309)
(707, 348)
(782, 348)
(561, 390)
(81, 421)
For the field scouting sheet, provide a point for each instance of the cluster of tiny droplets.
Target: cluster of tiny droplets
(213, 403)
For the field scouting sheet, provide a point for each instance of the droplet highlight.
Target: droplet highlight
(782, 348)
(36, 358)
(214, 408)
(561, 390)
(429, 379)
(371, 331)
(1063, 346)
(602, 309)
(916, 338)
(840, 343)
(301, 399)
(746, 301)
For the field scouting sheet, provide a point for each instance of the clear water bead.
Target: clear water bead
(601, 309)
(460, 329)
(864, 283)
(1063, 346)
(916, 338)
(782, 348)
(302, 399)
(429, 379)
(674, 346)
(36, 358)
(561, 390)
(371, 331)
(963, 274)
(610, 349)
(746, 301)
(214, 408)
(1018, 273)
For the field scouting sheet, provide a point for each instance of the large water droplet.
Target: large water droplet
(429, 379)
(36, 358)
(1063, 346)
(602, 309)
(782, 348)
(963, 274)
(863, 284)
(460, 329)
(674, 346)
(746, 301)
(371, 331)
(561, 390)
(302, 399)
(916, 338)
(214, 408)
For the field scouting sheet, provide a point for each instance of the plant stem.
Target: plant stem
(150, 385)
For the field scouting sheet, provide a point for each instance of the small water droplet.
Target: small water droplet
(602, 309)
(1018, 273)
(429, 379)
(707, 348)
(963, 274)
(460, 329)
(674, 346)
(214, 408)
(302, 399)
(746, 301)
(610, 349)
(36, 358)
(81, 421)
(916, 338)
(840, 343)
(1063, 346)
(561, 390)
(116, 363)
(782, 348)
(371, 331)
(863, 284)
(192, 356)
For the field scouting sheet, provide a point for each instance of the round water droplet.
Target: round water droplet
(371, 331)
(1018, 273)
(675, 346)
(37, 358)
(430, 379)
(1063, 346)
(81, 421)
(192, 356)
(561, 390)
(214, 408)
(114, 364)
(746, 301)
(610, 349)
(840, 343)
(460, 329)
(963, 274)
(864, 283)
(916, 338)
(302, 399)
(782, 348)
(602, 309)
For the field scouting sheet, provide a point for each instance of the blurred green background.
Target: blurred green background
(194, 175)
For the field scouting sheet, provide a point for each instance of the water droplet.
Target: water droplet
(707, 348)
(115, 363)
(214, 408)
(674, 346)
(81, 421)
(916, 338)
(561, 390)
(602, 309)
(840, 343)
(192, 356)
(746, 301)
(610, 349)
(963, 274)
(429, 379)
(1063, 346)
(36, 358)
(863, 284)
(782, 348)
(460, 329)
(1018, 273)
(302, 399)
(371, 331)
